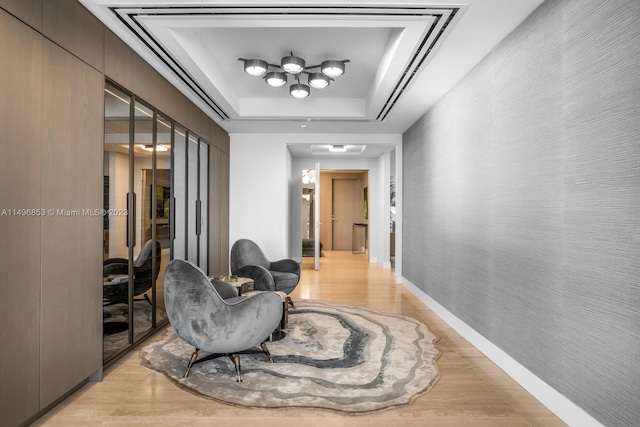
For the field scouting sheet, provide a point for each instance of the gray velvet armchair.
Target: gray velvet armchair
(201, 316)
(248, 260)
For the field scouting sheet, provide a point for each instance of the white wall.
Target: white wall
(380, 221)
(264, 178)
(258, 192)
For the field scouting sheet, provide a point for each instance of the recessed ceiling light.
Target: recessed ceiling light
(303, 126)
(149, 147)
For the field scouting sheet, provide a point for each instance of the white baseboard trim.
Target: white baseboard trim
(557, 403)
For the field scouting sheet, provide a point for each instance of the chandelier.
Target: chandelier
(295, 66)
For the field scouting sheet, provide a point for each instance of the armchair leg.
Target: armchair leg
(236, 361)
(145, 297)
(266, 351)
(191, 362)
(290, 301)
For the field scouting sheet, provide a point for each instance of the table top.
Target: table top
(237, 282)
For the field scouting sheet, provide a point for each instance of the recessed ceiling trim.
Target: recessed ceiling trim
(432, 37)
(130, 21)
(442, 16)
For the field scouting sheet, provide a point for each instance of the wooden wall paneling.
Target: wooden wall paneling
(198, 122)
(125, 67)
(224, 210)
(220, 139)
(69, 24)
(20, 121)
(219, 212)
(168, 99)
(219, 203)
(71, 327)
(215, 230)
(29, 11)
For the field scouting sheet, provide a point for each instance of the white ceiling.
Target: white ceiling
(405, 55)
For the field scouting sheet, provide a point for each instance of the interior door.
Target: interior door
(344, 212)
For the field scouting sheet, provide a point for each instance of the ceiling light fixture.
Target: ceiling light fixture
(275, 78)
(338, 148)
(295, 66)
(332, 68)
(255, 67)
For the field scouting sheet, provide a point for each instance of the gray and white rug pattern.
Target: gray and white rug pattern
(343, 358)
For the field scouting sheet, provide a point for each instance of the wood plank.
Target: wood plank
(20, 121)
(71, 329)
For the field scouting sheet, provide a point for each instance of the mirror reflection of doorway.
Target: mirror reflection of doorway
(160, 201)
(308, 212)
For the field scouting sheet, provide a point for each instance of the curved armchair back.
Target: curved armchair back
(143, 279)
(247, 260)
(246, 252)
(202, 318)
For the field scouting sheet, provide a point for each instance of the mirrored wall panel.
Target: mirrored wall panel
(154, 211)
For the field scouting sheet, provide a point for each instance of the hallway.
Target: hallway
(472, 391)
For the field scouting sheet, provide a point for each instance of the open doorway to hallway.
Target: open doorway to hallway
(376, 176)
(344, 210)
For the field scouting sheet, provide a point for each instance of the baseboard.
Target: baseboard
(557, 403)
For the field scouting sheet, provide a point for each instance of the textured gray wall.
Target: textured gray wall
(522, 202)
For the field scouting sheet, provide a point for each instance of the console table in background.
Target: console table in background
(358, 226)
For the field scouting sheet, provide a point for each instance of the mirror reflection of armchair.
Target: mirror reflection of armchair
(142, 275)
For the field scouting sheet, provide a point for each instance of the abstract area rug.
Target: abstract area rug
(341, 358)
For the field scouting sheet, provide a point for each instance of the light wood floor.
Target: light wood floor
(472, 391)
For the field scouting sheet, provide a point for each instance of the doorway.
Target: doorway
(341, 206)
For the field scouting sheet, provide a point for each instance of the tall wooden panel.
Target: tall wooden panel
(71, 327)
(69, 24)
(215, 264)
(224, 210)
(125, 67)
(20, 124)
(29, 11)
(51, 130)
